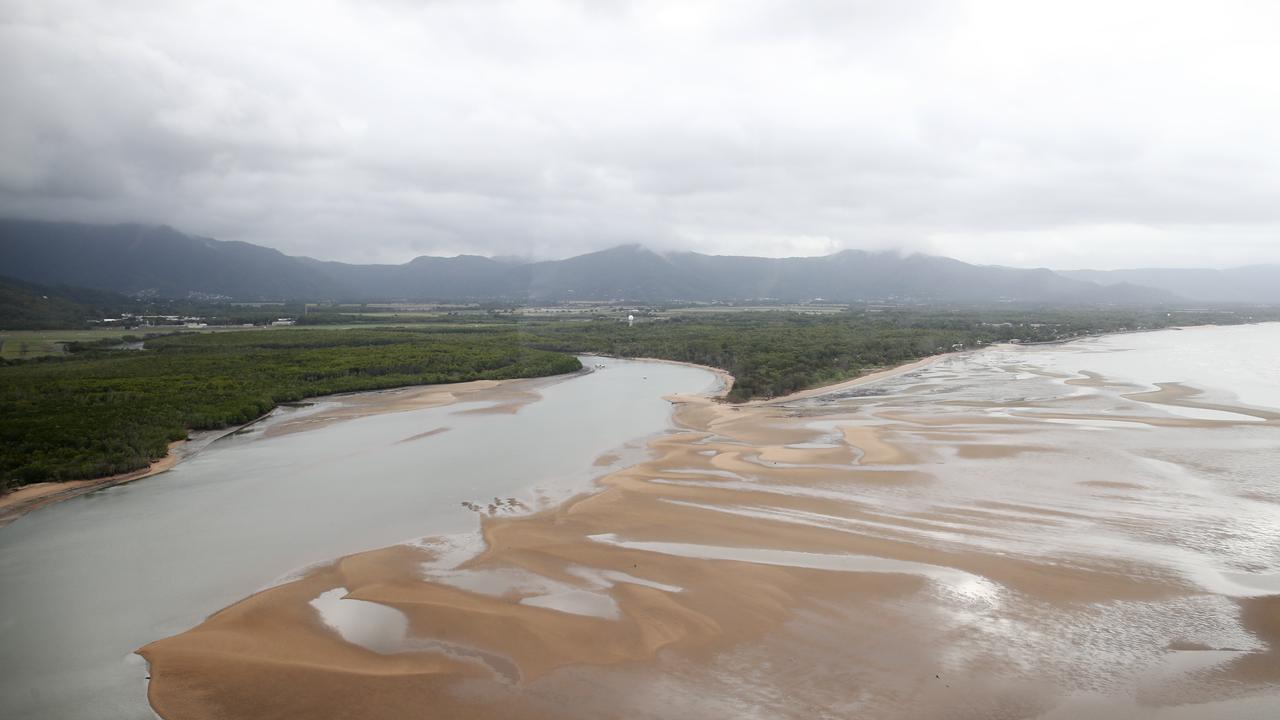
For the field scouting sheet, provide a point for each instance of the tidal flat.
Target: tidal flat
(85, 582)
(1018, 532)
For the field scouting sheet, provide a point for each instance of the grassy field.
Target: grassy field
(717, 309)
(24, 344)
(29, 344)
(389, 315)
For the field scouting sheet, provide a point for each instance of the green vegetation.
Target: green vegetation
(98, 410)
(769, 354)
(26, 306)
(41, 308)
(775, 353)
(31, 344)
(103, 412)
(28, 344)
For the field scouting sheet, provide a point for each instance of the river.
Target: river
(85, 582)
(1049, 531)
(1053, 531)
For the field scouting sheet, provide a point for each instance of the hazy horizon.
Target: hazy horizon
(518, 258)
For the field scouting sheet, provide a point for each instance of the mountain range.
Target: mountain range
(1257, 284)
(161, 261)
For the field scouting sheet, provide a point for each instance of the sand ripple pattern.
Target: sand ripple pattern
(977, 537)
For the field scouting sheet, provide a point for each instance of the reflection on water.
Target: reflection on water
(1234, 363)
(369, 625)
(1098, 474)
(85, 582)
(956, 580)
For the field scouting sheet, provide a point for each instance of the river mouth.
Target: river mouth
(1016, 532)
(86, 582)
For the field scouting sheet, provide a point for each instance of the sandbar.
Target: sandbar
(756, 563)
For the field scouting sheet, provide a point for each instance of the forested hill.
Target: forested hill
(27, 306)
(151, 260)
(160, 261)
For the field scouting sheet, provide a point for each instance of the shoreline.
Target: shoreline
(21, 501)
(709, 557)
(868, 378)
(726, 378)
(694, 412)
(29, 498)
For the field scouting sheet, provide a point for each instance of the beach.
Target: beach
(982, 535)
(27, 498)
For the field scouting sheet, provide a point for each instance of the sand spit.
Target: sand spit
(873, 557)
(355, 405)
(27, 498)
(1180, 395)
(866, 379)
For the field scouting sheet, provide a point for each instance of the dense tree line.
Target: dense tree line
(104, 412)
(775, 353)
(769, 354)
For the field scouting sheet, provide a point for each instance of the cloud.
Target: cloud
(1082, 134)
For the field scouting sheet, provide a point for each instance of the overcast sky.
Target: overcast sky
(1065, 134)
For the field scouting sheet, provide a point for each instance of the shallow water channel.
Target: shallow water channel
(85, 582)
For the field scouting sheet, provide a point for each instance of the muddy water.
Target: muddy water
(1049, 531)
(85, 582)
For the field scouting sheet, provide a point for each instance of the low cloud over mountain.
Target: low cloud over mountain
(165, 262)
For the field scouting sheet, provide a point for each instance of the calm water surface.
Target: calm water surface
(85, 582)
(1230, 363)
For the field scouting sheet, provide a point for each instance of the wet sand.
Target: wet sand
(364, 404)
(1042, 549)
(250, 511)
(28, 498)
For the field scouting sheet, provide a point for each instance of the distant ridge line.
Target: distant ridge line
(161, 261)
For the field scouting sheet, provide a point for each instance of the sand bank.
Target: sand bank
(866, 379)
(348, 406)
(1180, 395)
(506, 398)
(27, 498)
(888, 557)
